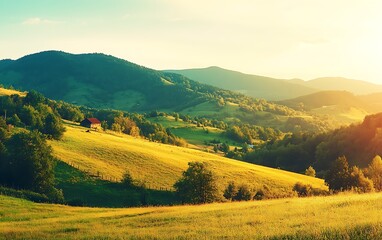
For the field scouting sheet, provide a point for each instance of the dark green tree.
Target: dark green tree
(33, 98)
(53, 127)
(243, 193)
(230, 191)
(29, 163)
(127, 180)
(338, 176)
(197, 184)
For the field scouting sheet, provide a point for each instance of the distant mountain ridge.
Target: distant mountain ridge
(272, 88)
(358, 87)
(340, 105)
(250, 85)
(326, 98)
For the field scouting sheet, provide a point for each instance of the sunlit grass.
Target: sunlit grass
(334, 217)
(160, 165)
(8, 92)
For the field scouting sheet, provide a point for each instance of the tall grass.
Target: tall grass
(333, 217)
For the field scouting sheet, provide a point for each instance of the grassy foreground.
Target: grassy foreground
(334, 217)
(159, 165)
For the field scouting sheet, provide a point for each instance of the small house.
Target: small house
(91, 123)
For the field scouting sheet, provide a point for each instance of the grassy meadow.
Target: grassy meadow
(160, 166)
(334, 217)
(199, 136)
(8, 92)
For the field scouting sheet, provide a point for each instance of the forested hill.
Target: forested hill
(103, 81)
(98, 80)
(358, 143)
(250, 85)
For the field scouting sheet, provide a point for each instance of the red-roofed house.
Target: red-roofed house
(91, 123)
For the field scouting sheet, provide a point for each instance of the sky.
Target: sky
(277, 38)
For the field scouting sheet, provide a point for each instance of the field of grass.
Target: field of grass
(334, 217)
(200, 136)
(342, 114)
(7, 92)
(159, 165)
(82, 190)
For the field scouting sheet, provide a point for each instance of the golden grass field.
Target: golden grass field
(160, 165)
(7, 92)
(334, 217)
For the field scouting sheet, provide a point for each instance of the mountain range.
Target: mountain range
(103, 81)
(272, 88)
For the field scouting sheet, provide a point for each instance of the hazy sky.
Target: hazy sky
(276, 38)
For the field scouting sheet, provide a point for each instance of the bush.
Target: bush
(230, 191)
(303, 190)
(197, 185)
(310, 172)
(128, 180)
(243, 194)
(359, 182)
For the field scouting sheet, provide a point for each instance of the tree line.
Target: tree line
(26, 160)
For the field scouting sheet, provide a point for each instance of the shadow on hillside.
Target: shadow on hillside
(82, 190)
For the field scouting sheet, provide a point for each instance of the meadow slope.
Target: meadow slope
(334, 217)
(159, 165)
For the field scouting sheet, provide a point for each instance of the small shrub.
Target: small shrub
(310, 172)
(230, 191)
(243, 194)
(303, 190)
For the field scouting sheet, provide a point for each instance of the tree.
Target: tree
(116, 127)
(359, 182)
(197, 184)
(127, 180)
(338, 176)
(33, 98)
(310, 172)
(216, 149)
(29, 164)
(104, 125)
(230, 191)
(53, 127)
(243, 194)
(224, 147)
(374, 172)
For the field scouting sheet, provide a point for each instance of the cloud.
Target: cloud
(38, 21)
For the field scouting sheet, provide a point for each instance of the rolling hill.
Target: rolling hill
(251, 85)
(101, 81)
(357, 87)
(159, 165)
(343, 106)
(98, 80)
(335, 217)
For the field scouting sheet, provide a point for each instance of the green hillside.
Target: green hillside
(251, 85)
(334, 217)
(101, 81)
(98, 80)
(159, 165)
(359, 143)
